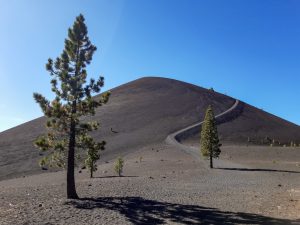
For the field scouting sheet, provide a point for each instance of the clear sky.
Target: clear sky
(249, 50)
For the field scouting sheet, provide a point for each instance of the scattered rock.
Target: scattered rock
(40, 205)
(106, 161)
(279, 185)
(79, 171)
(90, 185)
(151, 177)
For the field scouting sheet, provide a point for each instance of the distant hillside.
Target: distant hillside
(255, 127)
(145, 111)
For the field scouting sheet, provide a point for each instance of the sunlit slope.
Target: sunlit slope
(143, 112)
(140, 112)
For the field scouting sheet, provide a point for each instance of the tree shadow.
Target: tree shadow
(138, 210)
(113, 176)
(258, 170)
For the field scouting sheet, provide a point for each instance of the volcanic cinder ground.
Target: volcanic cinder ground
(163, 183)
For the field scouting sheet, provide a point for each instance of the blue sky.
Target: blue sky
(247, 49)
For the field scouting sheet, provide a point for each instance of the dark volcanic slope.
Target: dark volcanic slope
(259, 125)
(254, 126)
(143, 111)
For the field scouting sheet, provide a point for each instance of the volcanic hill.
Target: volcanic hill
(146, 111)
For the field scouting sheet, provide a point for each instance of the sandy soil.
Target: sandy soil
(168, 186)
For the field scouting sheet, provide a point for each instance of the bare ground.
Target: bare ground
(168, 186)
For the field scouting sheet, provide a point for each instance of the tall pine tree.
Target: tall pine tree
(66, 132)
(210, 146)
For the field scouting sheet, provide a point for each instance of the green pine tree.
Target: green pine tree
(93, 155)
(73, 99)
(119, 166)
(210, 146)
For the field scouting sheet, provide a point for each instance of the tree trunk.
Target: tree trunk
(91, 172)
(71, 189)
(211, 160)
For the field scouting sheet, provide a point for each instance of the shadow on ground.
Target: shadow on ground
(114, 176)
(258, 170)
(142, 211)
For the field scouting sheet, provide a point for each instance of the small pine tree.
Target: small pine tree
(93, 154)
(119, 166)
(210, 146)
(67, 133)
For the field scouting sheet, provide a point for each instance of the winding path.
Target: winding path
(176, 137)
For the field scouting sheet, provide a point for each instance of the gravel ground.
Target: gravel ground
(168, 186)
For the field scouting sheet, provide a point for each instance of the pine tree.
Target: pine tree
(210, 146)
(119, 166)
(73, 99)
(93, 155)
